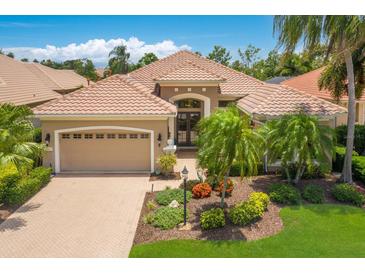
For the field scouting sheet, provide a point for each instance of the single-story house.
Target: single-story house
(124, 122)
(308, 83)
(32, 84)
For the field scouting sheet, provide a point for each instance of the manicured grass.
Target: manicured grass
(310, 231)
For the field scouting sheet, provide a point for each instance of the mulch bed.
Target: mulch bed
(171, 176)
(270, 224)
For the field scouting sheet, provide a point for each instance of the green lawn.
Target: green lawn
(310, 231)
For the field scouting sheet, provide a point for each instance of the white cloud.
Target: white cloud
(97, 50)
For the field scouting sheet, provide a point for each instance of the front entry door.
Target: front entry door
(186, 128)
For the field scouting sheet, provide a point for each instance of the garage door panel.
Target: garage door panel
(116, 153)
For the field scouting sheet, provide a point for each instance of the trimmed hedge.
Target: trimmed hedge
(359, 140)
(358, 163)
(213, 218)
(347, 193)
(166, 196)
(168, 217)
(313, 193)
(41, 173)
(22, 191)
(284, 194)
(9, 176)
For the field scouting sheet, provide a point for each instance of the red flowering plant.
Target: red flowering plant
(201, 190)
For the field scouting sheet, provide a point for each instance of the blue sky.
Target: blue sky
(93, 36)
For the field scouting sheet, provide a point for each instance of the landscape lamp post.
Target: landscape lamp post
(184, 174)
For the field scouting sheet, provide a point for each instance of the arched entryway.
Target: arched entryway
(191, 108)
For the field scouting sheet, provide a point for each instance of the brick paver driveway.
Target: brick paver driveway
(77, 216)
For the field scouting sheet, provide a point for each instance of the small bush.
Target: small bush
(41, 173)
(358, 167)
(148, 218)
(22, 191)
(339, 158)
(284, 194)
(261, 197)
(168, 217)
(166, 196)
(246, 212)
(201, 190)
(347, 193)
(359, 137)
(313, 193)
(229, 188)
(190, 184)
(213, 218)
(166, 163)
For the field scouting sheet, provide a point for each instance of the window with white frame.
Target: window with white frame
(133, 136)
(122, 136)
(110, 136)
(77, 136)
(99, 136)
(88, 136)
(66, 136)
(144, 136)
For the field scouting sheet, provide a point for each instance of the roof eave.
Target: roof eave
(188, 82)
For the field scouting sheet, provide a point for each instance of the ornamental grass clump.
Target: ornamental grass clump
(212, 218)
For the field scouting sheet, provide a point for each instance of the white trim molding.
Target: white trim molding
(57, 141)
(197, 96)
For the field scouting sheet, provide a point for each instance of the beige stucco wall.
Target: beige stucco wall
(342, 120)
(211, 92)
(158, 126)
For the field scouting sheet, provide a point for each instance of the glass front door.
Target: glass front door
(186, 128)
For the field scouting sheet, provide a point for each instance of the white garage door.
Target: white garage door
(103, 151)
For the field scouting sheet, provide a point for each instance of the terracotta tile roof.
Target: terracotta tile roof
(277, 100)
(189, 71)
(308, 82)
(115, 95)
(18, 85)
(58, 79)
(236, 82)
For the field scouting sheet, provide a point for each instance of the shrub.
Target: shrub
(41, 173)
(166, 163)
(310, 172)
(235, 170)
(9, 176)
(190, 184)
(148, 218)
(22, 191)
(168, 217)
(284, 194)
(313, 193)
(213, 218)
(246, 212)
(340, 157)
(229, 188)
(348, 193)
(201, 190)
(166, 196)
(359, 137)
(358, 163)
(261, 197)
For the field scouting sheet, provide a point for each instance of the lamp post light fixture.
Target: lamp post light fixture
(184, 174)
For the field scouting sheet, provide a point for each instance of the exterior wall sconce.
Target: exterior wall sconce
(189, 89)
(176, 89)
(47, 139)
(159, 139)
(204, 89)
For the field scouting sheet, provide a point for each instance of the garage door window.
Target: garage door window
(88, 136)
(65, 136)
(77, 136)
(133, 136)
(99, 136)
(144, 136)
(111, 136)
(122, 136)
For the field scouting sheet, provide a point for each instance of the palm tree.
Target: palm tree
(118, 63)
(16, 137)
(301, 141)
(341, 35)
(225, 137)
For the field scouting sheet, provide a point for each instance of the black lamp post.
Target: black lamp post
(185, 173)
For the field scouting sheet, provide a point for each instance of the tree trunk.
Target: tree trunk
(299, 174)
(288, 175)
(224, 188)
(347, 166)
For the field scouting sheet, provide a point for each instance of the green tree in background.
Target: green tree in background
(118, 63)
(220, 55)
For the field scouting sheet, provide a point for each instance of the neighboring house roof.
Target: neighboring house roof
(308, 82)
(236, 82)
(277, 100)
(278, 79)
(20, 86)
(189, 71)
(115, 95)
(58, 79)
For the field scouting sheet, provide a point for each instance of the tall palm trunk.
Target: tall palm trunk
(223, 194)
(347, 167)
